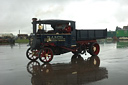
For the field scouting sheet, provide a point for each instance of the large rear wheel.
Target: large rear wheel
(46, 55)
(94, 49)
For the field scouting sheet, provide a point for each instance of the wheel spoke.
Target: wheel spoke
(46, 59)
(44, 51)
(31, 56)
(29, 53)
(48, 51)
(49, 56)
(42, 54)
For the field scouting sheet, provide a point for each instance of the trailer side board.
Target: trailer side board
(90, 34)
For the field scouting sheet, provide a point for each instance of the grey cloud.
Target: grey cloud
(52, 11)
(122, 2)
(122, 10)
(17, 14)
(121, 14)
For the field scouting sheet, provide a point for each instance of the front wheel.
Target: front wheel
(32, 54)
(46, 55)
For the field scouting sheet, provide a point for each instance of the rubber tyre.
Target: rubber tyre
(30, 56)
(91, 49)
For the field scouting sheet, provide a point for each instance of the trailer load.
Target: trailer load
(55, 37)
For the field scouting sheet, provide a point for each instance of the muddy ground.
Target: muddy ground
(16, 69)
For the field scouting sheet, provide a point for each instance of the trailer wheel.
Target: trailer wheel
(32, 54)
(46, 55)
(94, 49)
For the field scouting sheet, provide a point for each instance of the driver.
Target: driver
(67, 28)
(63, 28)
(40, 29)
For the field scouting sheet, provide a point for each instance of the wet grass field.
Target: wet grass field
(16, 69)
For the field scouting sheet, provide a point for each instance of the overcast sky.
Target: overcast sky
(16, 15)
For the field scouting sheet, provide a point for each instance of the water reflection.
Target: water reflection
(79, 71)
(6, 44)
(122, 44)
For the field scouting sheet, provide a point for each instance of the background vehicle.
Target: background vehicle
(118, 34)
(7, 38)
(55, 37)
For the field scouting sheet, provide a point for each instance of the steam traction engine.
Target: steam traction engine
(55, 37)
